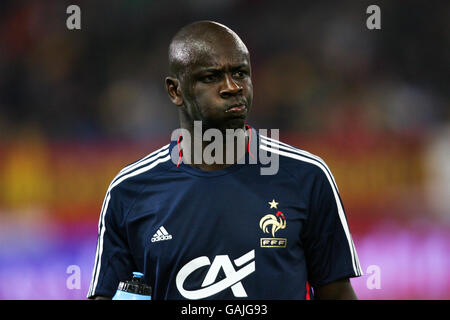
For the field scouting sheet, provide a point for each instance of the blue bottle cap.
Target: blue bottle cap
(136, 285)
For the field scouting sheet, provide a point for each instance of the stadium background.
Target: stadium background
(76, 106)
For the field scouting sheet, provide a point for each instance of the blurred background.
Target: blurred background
(78, 105)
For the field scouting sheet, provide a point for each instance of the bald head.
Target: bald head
(210, 74)
(195, 42)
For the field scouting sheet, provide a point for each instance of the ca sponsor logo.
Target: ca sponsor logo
(209, 287)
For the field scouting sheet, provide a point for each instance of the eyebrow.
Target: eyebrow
(215, 70)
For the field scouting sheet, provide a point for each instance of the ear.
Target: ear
(174, 90)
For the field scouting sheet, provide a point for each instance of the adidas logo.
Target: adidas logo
(161, 235)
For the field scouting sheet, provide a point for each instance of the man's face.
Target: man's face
(217, 87)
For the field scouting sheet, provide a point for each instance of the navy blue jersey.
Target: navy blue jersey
(226, 234)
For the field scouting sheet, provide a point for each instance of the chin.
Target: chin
(223, 124)
(235, 123)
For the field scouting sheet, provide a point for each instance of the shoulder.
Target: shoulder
(294, 159)
(132, 177)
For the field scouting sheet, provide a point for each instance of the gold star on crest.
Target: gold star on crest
(273, 204)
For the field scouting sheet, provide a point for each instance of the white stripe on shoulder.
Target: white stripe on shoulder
(140, 161)
(155, 160)
(280, 145)
(146, 160)
(268, 140)
(102, 228)
(295, 155)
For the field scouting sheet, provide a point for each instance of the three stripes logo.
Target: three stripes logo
(161, 235)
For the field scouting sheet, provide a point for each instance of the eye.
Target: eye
(209, 78)
(239, 74)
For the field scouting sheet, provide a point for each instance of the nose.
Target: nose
(230, 87)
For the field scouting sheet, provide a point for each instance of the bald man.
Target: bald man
(210, 81)
(222, 230)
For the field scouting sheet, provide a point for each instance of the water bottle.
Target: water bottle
(135, 289)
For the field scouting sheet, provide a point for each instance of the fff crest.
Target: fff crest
(271, 223)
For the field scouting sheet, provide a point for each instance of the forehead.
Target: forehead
(220, 58)
(219, 53)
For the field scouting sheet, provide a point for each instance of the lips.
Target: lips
(237, 108)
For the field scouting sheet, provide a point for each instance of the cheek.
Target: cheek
(249, 91)
(203, 96)
(206, 100)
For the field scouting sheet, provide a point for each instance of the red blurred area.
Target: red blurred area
(380, 177)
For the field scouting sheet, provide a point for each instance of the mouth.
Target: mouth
(236, 108)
